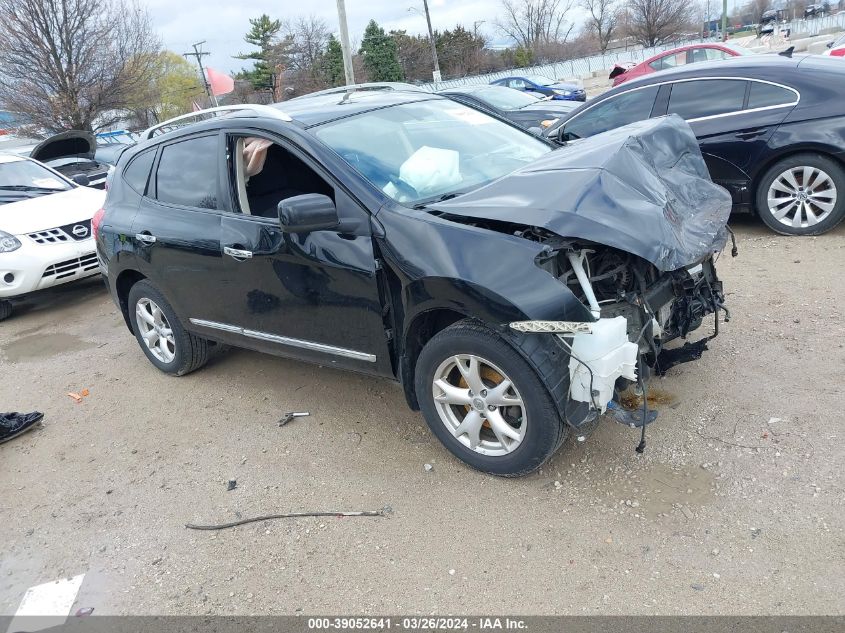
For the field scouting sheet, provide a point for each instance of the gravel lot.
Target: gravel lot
(735, 508)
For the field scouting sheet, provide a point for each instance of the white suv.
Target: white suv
(45, 229)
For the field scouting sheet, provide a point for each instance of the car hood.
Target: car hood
(51, 210)
(70, 143)
(642, 188)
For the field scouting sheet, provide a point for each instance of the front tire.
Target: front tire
(802, 194)
(162, 338)
(5, 309)
(485, 402)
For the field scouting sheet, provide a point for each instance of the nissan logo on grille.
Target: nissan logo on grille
(79, 230)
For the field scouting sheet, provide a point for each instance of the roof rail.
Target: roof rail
(255, 108)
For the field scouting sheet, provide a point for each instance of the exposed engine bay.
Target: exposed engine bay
(638, 310)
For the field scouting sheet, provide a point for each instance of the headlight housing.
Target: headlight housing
(8, 243)
(565, 93)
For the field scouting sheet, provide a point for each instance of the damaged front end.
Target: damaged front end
(638, 310)
(630, 223)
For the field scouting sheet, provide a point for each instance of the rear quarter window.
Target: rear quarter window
(762, 95)
(137, 172)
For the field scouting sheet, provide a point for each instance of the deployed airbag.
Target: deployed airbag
(643, 188)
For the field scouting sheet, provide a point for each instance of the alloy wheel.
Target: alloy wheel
(479, 405)
(155, 330)
(802, 196)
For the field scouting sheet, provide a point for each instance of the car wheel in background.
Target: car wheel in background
(160, 334)
(485, 403)
(802, 194)
(5, 309)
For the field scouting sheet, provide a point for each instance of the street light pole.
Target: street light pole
(437, 77)
(348, 71)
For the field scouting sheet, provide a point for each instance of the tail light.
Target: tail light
(96, 220)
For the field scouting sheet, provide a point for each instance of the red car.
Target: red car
(836, 48)
(675, 57)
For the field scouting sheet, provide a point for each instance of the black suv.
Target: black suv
(510, 287)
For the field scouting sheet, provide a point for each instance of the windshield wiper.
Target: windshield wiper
(27, 188)
(441, 198)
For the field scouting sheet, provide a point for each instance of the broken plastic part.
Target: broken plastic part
(668, 358)
(552, 327)
(633, 419)
(599, 359)
(576, 260)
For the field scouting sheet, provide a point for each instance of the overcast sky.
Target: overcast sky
(223, 23)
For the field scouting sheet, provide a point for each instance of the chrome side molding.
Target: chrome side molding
(285, 340)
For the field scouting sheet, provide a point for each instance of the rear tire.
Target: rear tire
(5, 309)
(162, 338)
(790, 206)
(507, 430)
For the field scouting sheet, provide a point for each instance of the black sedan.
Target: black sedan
(771, 129)
(523, 108)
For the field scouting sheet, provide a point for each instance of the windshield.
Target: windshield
(506, 98)
(541, 80)
(419, 152)
(26, 175)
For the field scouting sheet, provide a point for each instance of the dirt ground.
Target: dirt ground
(736, 507)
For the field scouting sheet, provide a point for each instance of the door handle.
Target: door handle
(751, 133)
(237, 253)
(146, 238)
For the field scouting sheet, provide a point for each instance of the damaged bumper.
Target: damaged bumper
(626, 342)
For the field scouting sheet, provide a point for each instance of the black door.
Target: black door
(176, 231)
(733, 124)
(310, 295)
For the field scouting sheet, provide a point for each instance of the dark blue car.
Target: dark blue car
(544, 86)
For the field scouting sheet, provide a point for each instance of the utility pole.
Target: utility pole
(344, 43)
(724, 20)
(199, 54)
(437, 77)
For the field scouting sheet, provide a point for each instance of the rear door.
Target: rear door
(733, 120)
(176, 231)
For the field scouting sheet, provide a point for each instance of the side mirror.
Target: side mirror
(308, 212)
(536, 131)
(81, 179)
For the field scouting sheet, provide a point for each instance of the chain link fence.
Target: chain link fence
(583, 67)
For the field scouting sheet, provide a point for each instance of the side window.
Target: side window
(518, 84)
(763, 95)
(669, 61)
(715, 54)
(137, 173)
(706, 97)
(702, 54)
(187, 173)
(264, 173)
(621, 110)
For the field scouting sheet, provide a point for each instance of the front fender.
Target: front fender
(485, 274)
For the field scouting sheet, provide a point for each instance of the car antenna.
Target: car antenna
(787, 52)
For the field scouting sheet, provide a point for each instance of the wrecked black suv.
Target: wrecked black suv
(513, 289)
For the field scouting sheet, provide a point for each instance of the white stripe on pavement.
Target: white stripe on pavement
(46, 605)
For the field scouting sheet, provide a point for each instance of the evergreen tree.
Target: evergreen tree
(379, 53)
(333, 62)
(262, 35)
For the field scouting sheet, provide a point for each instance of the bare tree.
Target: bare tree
(74, 63)
(601, 20)
(653, 22)
(536, 25)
